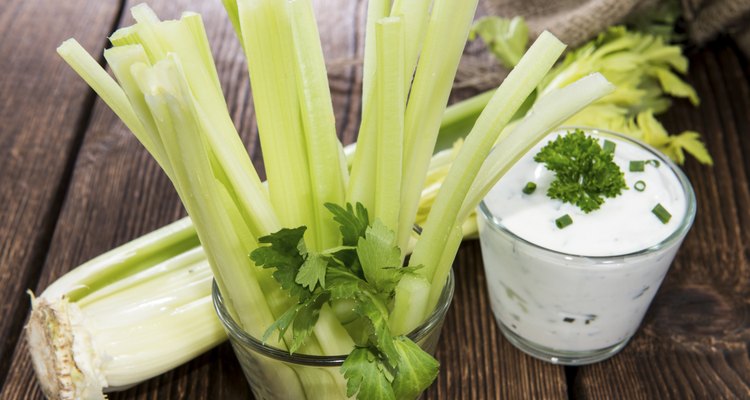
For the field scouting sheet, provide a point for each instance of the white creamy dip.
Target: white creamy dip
(576, 295)
(624, 224)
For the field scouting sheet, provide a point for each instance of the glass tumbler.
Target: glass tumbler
(574, 309)
(274, 374)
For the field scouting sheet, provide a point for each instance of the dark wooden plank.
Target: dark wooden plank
(43, 112)
(694, 340)
(117, 193)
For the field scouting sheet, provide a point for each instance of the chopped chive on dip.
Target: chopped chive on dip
(609, 146)
(529, 188)
(661, 213)
(637, 166)
(563, 221)
(654, 162)
(639, 186)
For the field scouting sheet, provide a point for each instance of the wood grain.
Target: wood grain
(693, 343)
(44, 111)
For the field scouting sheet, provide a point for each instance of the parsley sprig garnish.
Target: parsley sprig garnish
(585, 173)
(364, 270)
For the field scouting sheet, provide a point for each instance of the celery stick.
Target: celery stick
(390, 105)
(459, 118)
(106, 87)
(360, 186)
(126, 260)
(446, 35)
(409, 303)
(267, 36)
(180, 125)
(415, 14)
(376, 11)
(234, 17)
(120, 59)
(318, 122)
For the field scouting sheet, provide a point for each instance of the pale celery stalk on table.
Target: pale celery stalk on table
(168, 95)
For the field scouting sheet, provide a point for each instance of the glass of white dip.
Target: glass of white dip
(576, 295)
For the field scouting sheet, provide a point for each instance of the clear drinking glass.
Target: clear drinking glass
(572, 309)
(275, 374)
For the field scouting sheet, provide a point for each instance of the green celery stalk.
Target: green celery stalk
(391, 101)
(318, 121)
(264, 24)
(359, 189)
(415, 14)
(459, 118)
(104, 86)
(445, 39)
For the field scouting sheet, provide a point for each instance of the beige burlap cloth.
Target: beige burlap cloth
(575, 21)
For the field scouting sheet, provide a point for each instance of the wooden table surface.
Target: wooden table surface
(75, 183)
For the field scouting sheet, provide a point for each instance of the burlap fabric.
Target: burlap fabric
(575, 21)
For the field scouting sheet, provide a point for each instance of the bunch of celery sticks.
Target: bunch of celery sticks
(145, 308)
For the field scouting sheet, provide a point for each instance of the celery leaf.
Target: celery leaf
(506, 38)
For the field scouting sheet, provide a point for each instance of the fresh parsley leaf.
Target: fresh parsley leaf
(380, 257)
(343, 284)
(416, 369)
(353, 222)
(372, 308)
(584, 172)
(301, 318)
(312, 271)
(304, 321)
(281, 325)
(366, 376)
(283, 254)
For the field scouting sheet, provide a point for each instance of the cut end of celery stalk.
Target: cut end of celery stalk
(58, 347)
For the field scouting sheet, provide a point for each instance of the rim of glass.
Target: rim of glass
(237, 332)
(677, 234)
